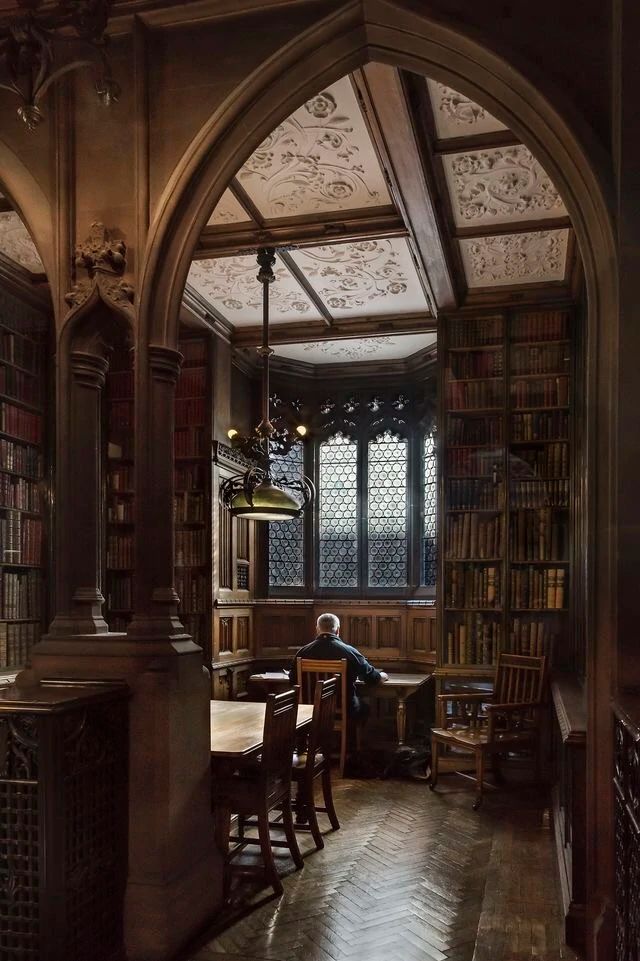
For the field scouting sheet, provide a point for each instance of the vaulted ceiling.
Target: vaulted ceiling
(390, 199)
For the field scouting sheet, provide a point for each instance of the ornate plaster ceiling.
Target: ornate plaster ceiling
(16, 243)
(523, 258)
(319, 159)
(367, 278)
(228, 211)
(499, 185)
(356, 350)
(456, 115)
(230, 285)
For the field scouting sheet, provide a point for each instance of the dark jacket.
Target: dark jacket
(329, 647)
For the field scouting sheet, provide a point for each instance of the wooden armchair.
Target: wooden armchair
(490, 724)
(309, 673)
(316, 762)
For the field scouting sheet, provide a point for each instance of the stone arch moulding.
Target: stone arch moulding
(390, 32)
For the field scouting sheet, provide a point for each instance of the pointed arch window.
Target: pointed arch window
(338, 513)
(286, 538)
(387, 510)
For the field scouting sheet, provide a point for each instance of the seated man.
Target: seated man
(329, 647)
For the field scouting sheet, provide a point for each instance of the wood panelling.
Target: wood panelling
(225, 565)
(421, 632)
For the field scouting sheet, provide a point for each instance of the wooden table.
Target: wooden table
(237, 727)
(400, 686)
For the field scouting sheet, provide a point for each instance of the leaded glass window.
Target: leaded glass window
(387, 511)
(429, 531)
(286, 538)
(338, 512)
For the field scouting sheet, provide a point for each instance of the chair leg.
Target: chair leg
(290, 832)
(479, 779)
(435, 754)
(241, 827)
(343, 746)
(327, 795)
(270, 869)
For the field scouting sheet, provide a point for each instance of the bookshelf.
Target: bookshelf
(192, 491)
(120, 490)
(505, 492)
(23, 382)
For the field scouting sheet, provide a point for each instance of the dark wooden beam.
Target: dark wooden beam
(521, 227)
(293, 269)
(478, 141)
(307, 331)
(373, 223)
(382, 96)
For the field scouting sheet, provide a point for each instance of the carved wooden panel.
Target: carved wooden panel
(242, 643)
(422, 634)
(225, 635)
(221, 684)
(358, 631)
(282, 630)
(242, 538)
(389, 631)
(225, 565)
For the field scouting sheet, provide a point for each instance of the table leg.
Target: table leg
(401, 719)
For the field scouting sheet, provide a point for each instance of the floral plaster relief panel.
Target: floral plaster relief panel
(320, 159)
(228, 211)
(499, 185)
(356, 350)
(16, 243)
(539, 257)
(456, 115)
(230, 285)
(366, 278)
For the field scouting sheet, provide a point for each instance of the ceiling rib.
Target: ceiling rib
(293, 268)
(384, 98)
(304, 331)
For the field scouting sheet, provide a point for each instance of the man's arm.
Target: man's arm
(367, 673)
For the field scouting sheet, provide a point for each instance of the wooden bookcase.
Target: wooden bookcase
(192, 490)
(120, 491)
(505, 491)
(23, 387)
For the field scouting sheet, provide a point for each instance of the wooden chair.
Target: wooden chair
(261, 785)
(309, 672)
(490, 724)
(316, 762)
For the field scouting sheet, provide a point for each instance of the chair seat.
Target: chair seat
(477, 737)
(300, 760)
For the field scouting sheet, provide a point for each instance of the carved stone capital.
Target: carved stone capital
(99, 252)
(165, 363)
(90, 370)
(116, 294)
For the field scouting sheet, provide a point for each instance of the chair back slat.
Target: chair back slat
(279, 733)
(310, 671)
(519, 679)
(324, 709)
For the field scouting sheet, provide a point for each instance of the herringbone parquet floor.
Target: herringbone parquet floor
(412, 876)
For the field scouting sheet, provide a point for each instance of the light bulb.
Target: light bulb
(231, 433)
(301, 430)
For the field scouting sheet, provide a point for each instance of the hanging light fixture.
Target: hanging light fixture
(262, 493)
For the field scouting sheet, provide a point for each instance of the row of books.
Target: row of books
(194, 352)
(121, 415)
(16, 349)
(119, 592)
(16, 641)
(120, 511)
(189, 477)
(189, 508)
(190, 548)
(552, 460)
(472, 585)
(549, 325)
(474, 430)
(479, 332)
(472, 535)
(19, 493)
(189, 442)
(193, 591)
(190, 412)
(475, 364)
(545, 392)
(20, 423)
(120, 551)
(539, 493)
(474, 494)
(537, 536)
(120, 384)
(20, 459)
(474, 394)
(24, 387)
(531, 638)
(540, 425)
(192, 382)
(473, 461)
(540, 359)
(20, 595)
(473, 639)
(538, 588)
(20, 539)
(120, 478)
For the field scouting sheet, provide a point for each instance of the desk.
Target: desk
(237, 727)
(400, 686)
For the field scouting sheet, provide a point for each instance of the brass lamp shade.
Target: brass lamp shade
(268, 503)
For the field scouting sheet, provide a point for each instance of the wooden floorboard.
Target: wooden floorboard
(411, 876)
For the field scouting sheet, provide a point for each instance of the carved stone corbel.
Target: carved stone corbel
(104, 259)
